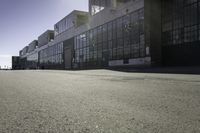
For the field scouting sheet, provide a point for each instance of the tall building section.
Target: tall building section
(181, 32)
(116, 33)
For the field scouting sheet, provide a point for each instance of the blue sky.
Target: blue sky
(22, 21)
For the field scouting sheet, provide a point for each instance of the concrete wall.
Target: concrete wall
(131, 62)
(73, 21)
(68, 49)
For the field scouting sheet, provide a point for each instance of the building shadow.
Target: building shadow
(195, 70)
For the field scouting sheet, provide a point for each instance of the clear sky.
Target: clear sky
(22, 21)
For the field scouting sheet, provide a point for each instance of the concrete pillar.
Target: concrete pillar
(152, 17)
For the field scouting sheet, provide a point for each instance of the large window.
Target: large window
(122, 38)
(32, 60)
(180, 21)
(63, 25)
(51, 56)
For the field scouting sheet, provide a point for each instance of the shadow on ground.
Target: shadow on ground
(160, 70)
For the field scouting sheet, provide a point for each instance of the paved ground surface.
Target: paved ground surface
(98, 101)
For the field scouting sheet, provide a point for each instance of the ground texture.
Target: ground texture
(98, 101)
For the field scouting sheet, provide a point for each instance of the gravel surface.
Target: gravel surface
(98, 101)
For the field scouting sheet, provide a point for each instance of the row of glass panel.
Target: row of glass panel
(179, 16)
(182, 35)
(56, 59)
(63, 25)
(118, 39)
(52, 54)
(33, 57)
(180, 21)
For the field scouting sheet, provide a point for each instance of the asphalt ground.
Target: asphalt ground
(98, 101)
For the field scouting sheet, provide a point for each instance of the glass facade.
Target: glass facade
(51, 57)
(122, 38)
(32, 61)
(180, 21)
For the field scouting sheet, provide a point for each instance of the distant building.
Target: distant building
(15, 63)
(116, 33)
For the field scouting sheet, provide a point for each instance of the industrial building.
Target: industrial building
(15, 63)
(116, 33)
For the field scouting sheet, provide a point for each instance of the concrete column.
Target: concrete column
(152, 17)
